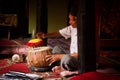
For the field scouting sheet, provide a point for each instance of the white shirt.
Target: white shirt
(70, 32)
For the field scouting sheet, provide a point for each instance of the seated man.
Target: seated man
(69, 61)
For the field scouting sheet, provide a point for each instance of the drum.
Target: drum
(36, 56)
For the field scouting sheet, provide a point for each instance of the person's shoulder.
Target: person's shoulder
(69, 26)
(66, 27)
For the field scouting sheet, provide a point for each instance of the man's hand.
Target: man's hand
(40, 35)
(53, 58)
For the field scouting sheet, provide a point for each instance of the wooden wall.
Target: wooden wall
(18, 7)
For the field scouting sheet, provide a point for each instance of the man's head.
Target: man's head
(73, 18)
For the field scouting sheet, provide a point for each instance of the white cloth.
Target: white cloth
(70, 32)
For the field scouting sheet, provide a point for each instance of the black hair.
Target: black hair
(73, 11)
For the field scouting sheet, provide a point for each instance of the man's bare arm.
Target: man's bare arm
(53, 34)
(75, 55)
(47, 35)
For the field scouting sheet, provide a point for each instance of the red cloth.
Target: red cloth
(95, 76)
(21, 67)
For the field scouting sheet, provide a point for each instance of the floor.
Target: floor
(7, 65)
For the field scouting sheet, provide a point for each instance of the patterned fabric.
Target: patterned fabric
(12, 47)
(59, 41)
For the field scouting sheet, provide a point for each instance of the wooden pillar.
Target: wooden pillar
(86, 36)
(42, 23)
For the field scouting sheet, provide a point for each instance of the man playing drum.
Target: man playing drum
(69, 62)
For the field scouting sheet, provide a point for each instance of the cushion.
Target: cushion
(12, 47)
(95, 76)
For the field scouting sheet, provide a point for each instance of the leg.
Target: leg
(69, 63)
(57, 50)
(60, 49)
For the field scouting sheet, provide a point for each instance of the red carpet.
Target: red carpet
(95, 76)
(5, 67)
